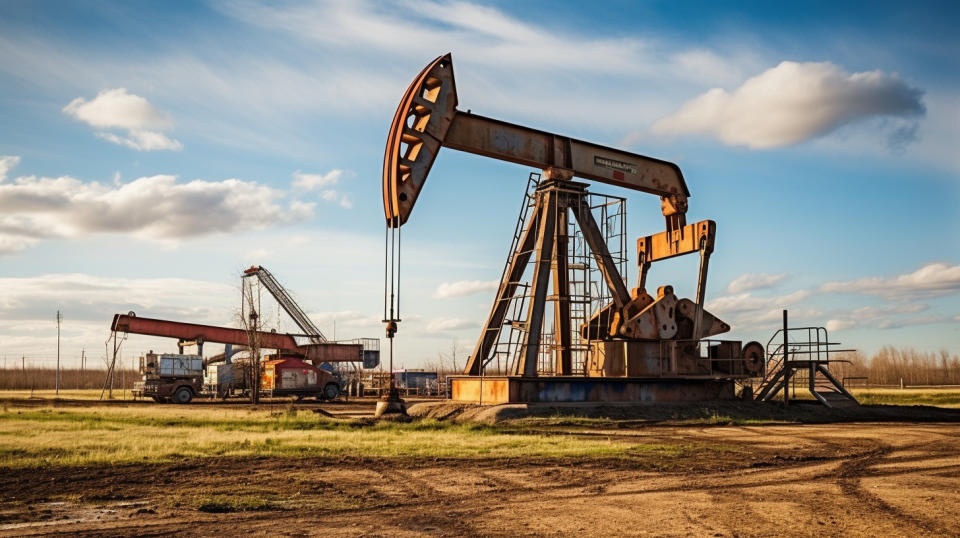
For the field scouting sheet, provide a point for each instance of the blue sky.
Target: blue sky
(153, 150)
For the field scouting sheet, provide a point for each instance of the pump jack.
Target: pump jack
(635, 325)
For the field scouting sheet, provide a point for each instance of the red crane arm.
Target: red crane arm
(326, 352)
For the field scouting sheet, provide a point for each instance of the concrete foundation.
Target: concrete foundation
(390, 407)
(504, 389)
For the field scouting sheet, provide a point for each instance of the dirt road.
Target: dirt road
(852, 479)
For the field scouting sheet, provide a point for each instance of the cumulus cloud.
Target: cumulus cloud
(931, 280)
(310, 182)
(839, 324)
(7, 163)
(748, 309)
(117, 109)
(754, 281)
(464, 287)
(747, 302)
(889, 316)
(158, 207)
(449, 324)
(794, 102)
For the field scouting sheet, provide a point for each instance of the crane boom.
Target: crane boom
(427, 119)
(318, 352)
(286, 301)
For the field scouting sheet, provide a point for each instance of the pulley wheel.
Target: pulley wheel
(753, 358)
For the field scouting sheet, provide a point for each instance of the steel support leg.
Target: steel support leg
(561, 289)
(598, 247)
(491, 330)
(527, 365)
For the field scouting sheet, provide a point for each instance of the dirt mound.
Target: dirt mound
(713, 412)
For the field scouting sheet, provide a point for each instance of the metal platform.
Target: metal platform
(511, 389)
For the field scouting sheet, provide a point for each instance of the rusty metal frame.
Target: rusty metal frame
(427, 119)
(198, 333)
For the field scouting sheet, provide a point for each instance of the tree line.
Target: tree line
(891, 366)
(35, 378)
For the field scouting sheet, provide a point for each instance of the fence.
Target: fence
(70, 378)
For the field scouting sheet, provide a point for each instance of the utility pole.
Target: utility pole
(57, 382)
(83, 360)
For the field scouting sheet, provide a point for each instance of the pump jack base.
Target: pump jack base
(492, 390)
(390, 405)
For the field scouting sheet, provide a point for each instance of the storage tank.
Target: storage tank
(172, 364)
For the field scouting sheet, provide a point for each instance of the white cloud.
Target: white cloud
(907, 322)
(754, 281)
(157, 207)
(346, 318)
(309, 182)
(368, 25)
(745, 309)
(511, 66)
(794, 102)
(87, 297)
(839, 324)
(88, 303)
(117, 109)
(931, 280)
(143, 141)
(12, 244)
(874, 312)
(7, 163)
(464, 287)
(888, 316)
(449, 324)
(747, 302)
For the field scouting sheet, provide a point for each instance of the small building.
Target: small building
(292, 374)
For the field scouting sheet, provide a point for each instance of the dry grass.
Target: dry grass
(65, 394)
(940, 396)
(84, 436)
(73, 378)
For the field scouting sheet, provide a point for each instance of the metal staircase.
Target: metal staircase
(800, 356)
(510, 341)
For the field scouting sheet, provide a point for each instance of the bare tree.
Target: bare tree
(250, 321)
(456, 352)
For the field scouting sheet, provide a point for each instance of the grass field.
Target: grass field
(75, 434)
(81, 467)
(56, 436)
(65, 394)
(940, 397)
